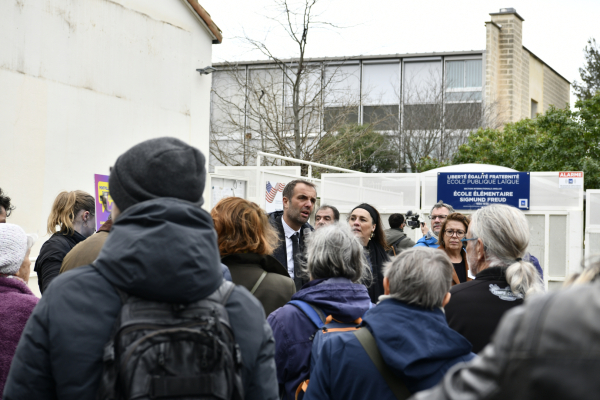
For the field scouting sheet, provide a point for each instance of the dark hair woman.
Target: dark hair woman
(246, 242)
(71, 220)
(366, 224)
(453, 230)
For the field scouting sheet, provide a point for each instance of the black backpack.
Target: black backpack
(176, 351)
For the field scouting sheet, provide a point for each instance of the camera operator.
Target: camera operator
(395, 236)
(438, 215)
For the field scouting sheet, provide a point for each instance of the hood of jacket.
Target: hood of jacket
(164, 250)
(392, 235)
(339, 297)
(413, 341)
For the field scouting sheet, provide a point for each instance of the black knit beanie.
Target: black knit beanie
(163, 167)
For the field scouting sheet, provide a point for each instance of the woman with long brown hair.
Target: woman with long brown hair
(71, 220)
(246, 241)
(454, 228)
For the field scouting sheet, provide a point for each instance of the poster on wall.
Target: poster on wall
(103, 199)
(274, 196)
(471, 191)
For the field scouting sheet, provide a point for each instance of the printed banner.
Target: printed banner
(102, 210)
(274, 196)
(470, 191)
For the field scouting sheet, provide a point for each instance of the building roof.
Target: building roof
(546, 64)
(361, 57)
(206, 19)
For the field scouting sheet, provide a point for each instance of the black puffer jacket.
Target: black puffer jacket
(163, 250)
(52, 254)
(546, 349)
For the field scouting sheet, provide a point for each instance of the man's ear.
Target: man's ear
(480, 250)
(285, 202)
(446, 299)
(386, 285)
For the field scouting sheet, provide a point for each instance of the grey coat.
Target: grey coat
(163, 250)
(545, 349)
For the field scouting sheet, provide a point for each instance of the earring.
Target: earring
(372, 234)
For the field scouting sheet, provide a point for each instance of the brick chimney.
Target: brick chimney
(507, 65)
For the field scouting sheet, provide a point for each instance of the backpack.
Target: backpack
(165, 350)
(392, 251)
(325, 327)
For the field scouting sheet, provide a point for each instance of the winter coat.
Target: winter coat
(280, 253)
(162, 250)
(463, 253)
(16, 304)
(476, 307)
(546, 349)
(86, 252)
(427, 241)
(292, 329)
(415, 343)
(276, 288)
(52, 254)
(397, 239)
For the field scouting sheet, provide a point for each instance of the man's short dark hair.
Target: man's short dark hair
(396, 220)
(336, 213)
(5, 203)
(288, 191)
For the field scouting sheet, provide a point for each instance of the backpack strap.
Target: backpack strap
(313, 313)
(367, 341)
(258, 282)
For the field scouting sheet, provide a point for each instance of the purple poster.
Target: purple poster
(103, 201)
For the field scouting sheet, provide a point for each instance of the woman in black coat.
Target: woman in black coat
(71, 220)
(366, 224)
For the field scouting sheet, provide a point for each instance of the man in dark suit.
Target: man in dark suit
(299, 198)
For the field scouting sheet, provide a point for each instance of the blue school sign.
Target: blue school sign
(473, 190)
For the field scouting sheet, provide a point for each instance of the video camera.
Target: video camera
(412, 220)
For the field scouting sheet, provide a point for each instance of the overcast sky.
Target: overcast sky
(554, 30)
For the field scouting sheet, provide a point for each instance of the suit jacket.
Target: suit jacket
(280, 253)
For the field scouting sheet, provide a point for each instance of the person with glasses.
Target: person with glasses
(438, 215)
(496, 244)
(453, 230)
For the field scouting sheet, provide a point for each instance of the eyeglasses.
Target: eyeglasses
(451, 233)
(465, 240)
(434, 217)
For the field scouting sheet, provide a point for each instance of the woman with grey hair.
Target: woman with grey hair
(409, 329)
(16, 300)
(497, 241)
(336, 265)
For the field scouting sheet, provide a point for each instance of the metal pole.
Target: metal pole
(314, 164)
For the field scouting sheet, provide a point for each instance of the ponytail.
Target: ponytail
(523, 278)
(65, 208)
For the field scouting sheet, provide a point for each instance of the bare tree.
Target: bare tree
(280, 105)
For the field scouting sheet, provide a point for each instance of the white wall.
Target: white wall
(83, 81)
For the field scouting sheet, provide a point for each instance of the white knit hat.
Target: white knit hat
(13, 247)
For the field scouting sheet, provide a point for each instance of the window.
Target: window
(463, 80)
(534, 109)
(422, 116)
(335, 117)
(381, 118)
(422, 82)
(381, 83)
(462, 115)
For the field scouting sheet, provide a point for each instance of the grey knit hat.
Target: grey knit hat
(163, 167)
(13, 247)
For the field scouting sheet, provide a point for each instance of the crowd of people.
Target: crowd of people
(167, 300)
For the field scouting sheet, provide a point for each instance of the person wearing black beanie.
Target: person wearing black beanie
(162, 248)
(162, 167)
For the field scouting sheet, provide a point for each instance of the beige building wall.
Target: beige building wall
(514, 75)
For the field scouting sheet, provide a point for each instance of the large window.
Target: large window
(381, 95)
(422, 95)
(463, 80)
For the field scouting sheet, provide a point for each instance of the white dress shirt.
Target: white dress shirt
(289, 246)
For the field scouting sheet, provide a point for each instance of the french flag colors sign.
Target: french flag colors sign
(570, 180)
